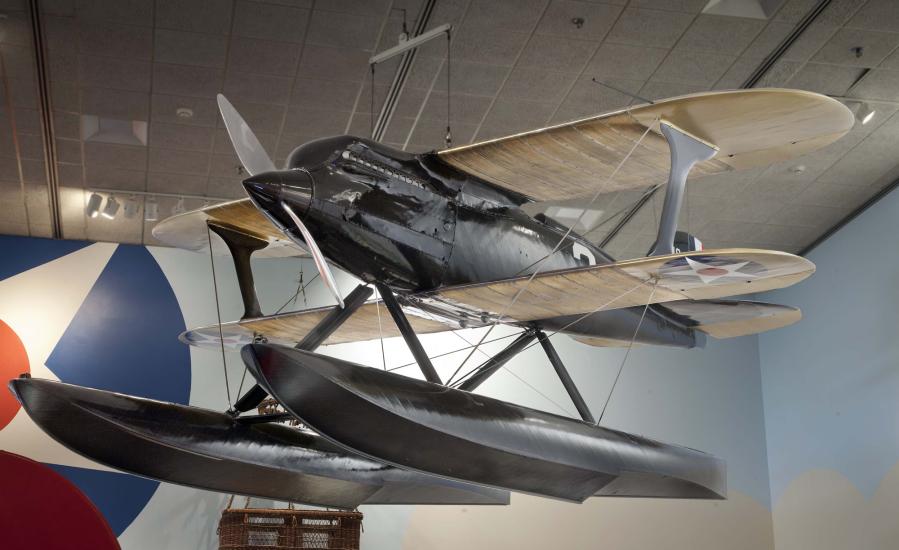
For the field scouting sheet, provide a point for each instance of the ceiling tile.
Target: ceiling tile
(66, 96)
(825, 79)
(209, 16)
(828, 194)
(473, 78)
(187, 81)
(839, 49)
(656, 90)
(190, 48)
(222, 141)
(108, 155)
(342, 31)
(809, 42)
(463, 109)
(373, 8)
(587, 98)
(598, 19)
(327, 94)
(817, 217)
(165, 107)
(226, 166)
(176, 183)
(317, 122)
(345, 64)
(700, 68)
(264, 118)
(269, 22)
(649, 27)
(180, 162)
(111, 72)
(66, 125)
(254, 56)
(490, 15)
(227, 188)
(129, 12)
(877, 15)
(63, 65)
(496, 47)
(118, 104)
(765, 43)
(516, 115)
(722, 35)
(431, 134)
(258, 88)
(878, 84)
(625, 61)
(181, 136)
(779, 74)
(553, 52)
(115, 40)
(61, 33)
(690, 6)
(133, 177)
(537, 84)
(68, 150)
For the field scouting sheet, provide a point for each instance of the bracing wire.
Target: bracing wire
(556, 248)
(381, 332)
(218, 313)
(626, 354)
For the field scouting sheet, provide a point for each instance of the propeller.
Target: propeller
(250, 152)
(317, 255)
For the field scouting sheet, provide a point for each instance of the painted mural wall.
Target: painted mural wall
(831, 392)
(108, 316)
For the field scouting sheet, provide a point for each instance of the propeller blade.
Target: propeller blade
(250, 152)
(317, 255)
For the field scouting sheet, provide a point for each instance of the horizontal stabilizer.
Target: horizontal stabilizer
(210, 450)
(731, 318)
(469, 437)
(290, 328)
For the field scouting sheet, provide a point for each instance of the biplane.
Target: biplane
(446, 240)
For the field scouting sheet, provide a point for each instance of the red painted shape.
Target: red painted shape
(42, 509)
(13, 362)
(712, 271)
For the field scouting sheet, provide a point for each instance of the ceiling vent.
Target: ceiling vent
(111, 130)
(754, 9)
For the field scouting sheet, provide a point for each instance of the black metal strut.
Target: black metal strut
(242, 247)
(490, 366)
(418, 351)
(316, 337)
(569, 384)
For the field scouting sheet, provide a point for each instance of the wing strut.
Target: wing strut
(242, 247)
(686, 151)
(569, 384)
(325, 328)
(418, 351)
(490, 366)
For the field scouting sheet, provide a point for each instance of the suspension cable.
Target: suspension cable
(218, 313)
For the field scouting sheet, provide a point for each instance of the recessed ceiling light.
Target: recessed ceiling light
(798, 169)
(92, 210)
(179, 207)
(131, 208)
(184, 112)
(111, 209)
(865, 112)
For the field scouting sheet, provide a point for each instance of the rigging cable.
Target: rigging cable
(218, 313)
(559, 244)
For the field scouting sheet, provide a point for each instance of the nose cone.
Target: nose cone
(269, 189)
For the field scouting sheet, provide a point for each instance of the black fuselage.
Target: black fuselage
(417, 224)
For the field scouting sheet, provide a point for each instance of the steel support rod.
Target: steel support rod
(490, 366)
(242, 247)
(316, 337)
(424, 362)
(569, 384)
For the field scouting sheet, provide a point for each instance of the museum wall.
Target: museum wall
(107, 316)
(831, 387)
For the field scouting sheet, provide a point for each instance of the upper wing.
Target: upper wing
(731, 318)
(697, 275)
(750, 128)
(188, 230)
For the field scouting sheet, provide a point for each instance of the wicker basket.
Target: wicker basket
(256, 529)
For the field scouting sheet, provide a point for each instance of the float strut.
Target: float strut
(325, 328)
(490, 366)
(570, 387)
(424, 362)
(242, 247)
(686, 151)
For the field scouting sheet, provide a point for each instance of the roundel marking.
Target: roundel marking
(13, 362)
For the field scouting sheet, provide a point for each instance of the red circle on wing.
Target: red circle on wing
(13, 362)
(42, 509)
(712, 271)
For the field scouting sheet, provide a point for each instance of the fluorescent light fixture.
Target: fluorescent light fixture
(131, 208)
(151, 210)
(92, 210)
(112, 208)
(409, 44)
(865, 112)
